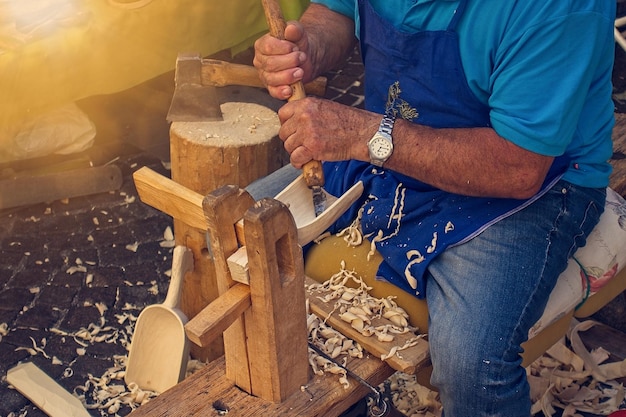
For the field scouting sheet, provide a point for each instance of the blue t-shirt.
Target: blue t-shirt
(543, 68)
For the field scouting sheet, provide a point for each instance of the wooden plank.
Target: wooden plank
(218, 316)
(409, 360)
(170, 197)
(322, 396)
(44, 392)
(186, 205)
(35, 189)
(223, 208)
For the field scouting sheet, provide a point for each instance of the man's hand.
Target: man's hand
(283, 62)
(314, 128)
(312, 45)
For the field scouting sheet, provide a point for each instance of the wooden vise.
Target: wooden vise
(262, 317)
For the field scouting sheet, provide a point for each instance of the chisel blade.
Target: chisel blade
(319, 200)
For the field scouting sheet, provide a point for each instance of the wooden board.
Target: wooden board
(323, 396)
(409, 360)
(44, 392)
(185, 204)
(56, 186)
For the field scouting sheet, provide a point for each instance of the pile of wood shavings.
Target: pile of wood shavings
(568, 378)
(571, 378)
(408, 396)
(109, 393)
(335, 345)
(106, 393)
(356, 306)
(411, 398)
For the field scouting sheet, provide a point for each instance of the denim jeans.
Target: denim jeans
(483, 297)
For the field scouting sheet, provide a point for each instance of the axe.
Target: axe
(195, 97)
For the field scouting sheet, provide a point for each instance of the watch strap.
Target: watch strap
(386, 124)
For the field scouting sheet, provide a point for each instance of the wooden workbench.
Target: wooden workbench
(323, 396)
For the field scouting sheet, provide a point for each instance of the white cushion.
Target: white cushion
(602, 258)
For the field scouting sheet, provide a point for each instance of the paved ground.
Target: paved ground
(88, 262)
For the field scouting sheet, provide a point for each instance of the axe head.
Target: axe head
(192, 101)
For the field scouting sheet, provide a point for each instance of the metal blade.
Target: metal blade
(383, 405)
(319, 200)
(194, 103)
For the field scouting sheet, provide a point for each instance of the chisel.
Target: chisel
(312, 170)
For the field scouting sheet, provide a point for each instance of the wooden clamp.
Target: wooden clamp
(223, 209)
(264, 325)
(221, 213)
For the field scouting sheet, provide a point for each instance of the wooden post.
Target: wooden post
(223, 208)
(276, 322)
(205, 156)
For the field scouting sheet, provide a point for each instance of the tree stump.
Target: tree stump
(205, 156)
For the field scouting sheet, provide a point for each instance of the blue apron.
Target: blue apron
(418, 76)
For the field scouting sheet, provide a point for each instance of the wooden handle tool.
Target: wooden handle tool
(312, 170)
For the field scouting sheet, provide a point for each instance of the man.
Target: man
(483, 149)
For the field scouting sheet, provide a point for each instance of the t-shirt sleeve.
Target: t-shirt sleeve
(345, 7)
(544, 78)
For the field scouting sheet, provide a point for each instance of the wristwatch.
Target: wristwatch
(381, 144)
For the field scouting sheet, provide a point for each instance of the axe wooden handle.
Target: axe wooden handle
(218, 73)
(312, 170)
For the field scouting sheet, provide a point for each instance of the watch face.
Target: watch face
(380, 147)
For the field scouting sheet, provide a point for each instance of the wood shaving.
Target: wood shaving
(167, 243)
(36, 349)
(133, 247)
(353, 235)
(571, 378)
(73, 269)
(411, 398)
(356, 306)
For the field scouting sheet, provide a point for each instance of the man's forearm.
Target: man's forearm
(331, 37)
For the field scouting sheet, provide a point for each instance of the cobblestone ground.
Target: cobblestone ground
(84, 264)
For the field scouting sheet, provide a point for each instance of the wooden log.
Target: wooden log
(205, 156)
